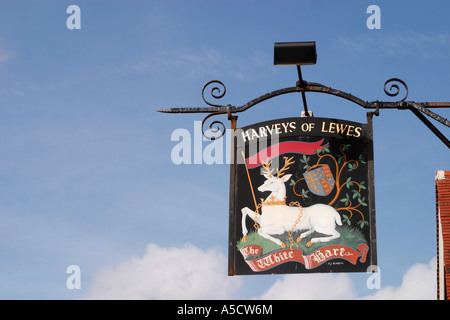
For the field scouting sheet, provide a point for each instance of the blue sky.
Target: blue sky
(86, 172)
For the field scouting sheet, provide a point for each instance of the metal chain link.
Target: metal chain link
(300, 216)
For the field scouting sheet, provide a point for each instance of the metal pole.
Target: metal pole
(301, 83)
(232, 213)
(431, 126)
(371, 186)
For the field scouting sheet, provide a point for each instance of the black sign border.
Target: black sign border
(365, 135)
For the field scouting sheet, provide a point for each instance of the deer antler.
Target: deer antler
(266, 165)
(287, 163)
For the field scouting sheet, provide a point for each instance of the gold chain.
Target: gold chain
(300, 216)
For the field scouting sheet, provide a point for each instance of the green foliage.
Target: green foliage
(322, 150)
(356, 194)
(254, 238)
(346, 200)
(349, 236)
(361, 201)
(305, 160)
(361, 159)
(362, 223)
(349, 182)
(346, 220)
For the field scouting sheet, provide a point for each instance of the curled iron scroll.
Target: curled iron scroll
(215, 126)
(216, 92)
(391, 92)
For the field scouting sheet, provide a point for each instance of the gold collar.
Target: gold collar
(272, 202)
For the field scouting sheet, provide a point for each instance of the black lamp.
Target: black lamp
(298, 54)
(295, 53)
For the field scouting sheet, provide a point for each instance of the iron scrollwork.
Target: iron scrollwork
(394, 89)
(216, 92)
(391, 88)
(216, 126)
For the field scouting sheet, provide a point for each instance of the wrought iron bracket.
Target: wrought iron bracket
(391, 88)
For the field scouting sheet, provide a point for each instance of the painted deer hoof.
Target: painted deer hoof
(244, 238)
(283, 245)
(299, 239)
(309, 244)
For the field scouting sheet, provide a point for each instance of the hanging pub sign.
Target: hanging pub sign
(302, 197)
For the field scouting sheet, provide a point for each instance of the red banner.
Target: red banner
(252, 255)
(281, 148)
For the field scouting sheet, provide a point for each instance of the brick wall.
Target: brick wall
(443, 233)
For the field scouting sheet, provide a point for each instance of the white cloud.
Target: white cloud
(167, 273)
(419, 283)
(5, 54)
(311, 287)
(190, 62)
(191, 273)
(195, 63)
(410, 43)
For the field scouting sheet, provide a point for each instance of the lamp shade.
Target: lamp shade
(295, 53)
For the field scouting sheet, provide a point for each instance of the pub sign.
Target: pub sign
(302, 198)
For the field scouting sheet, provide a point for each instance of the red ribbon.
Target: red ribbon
(284, 147)
(252, 255)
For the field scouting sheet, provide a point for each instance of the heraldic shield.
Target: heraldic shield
(320, 181)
